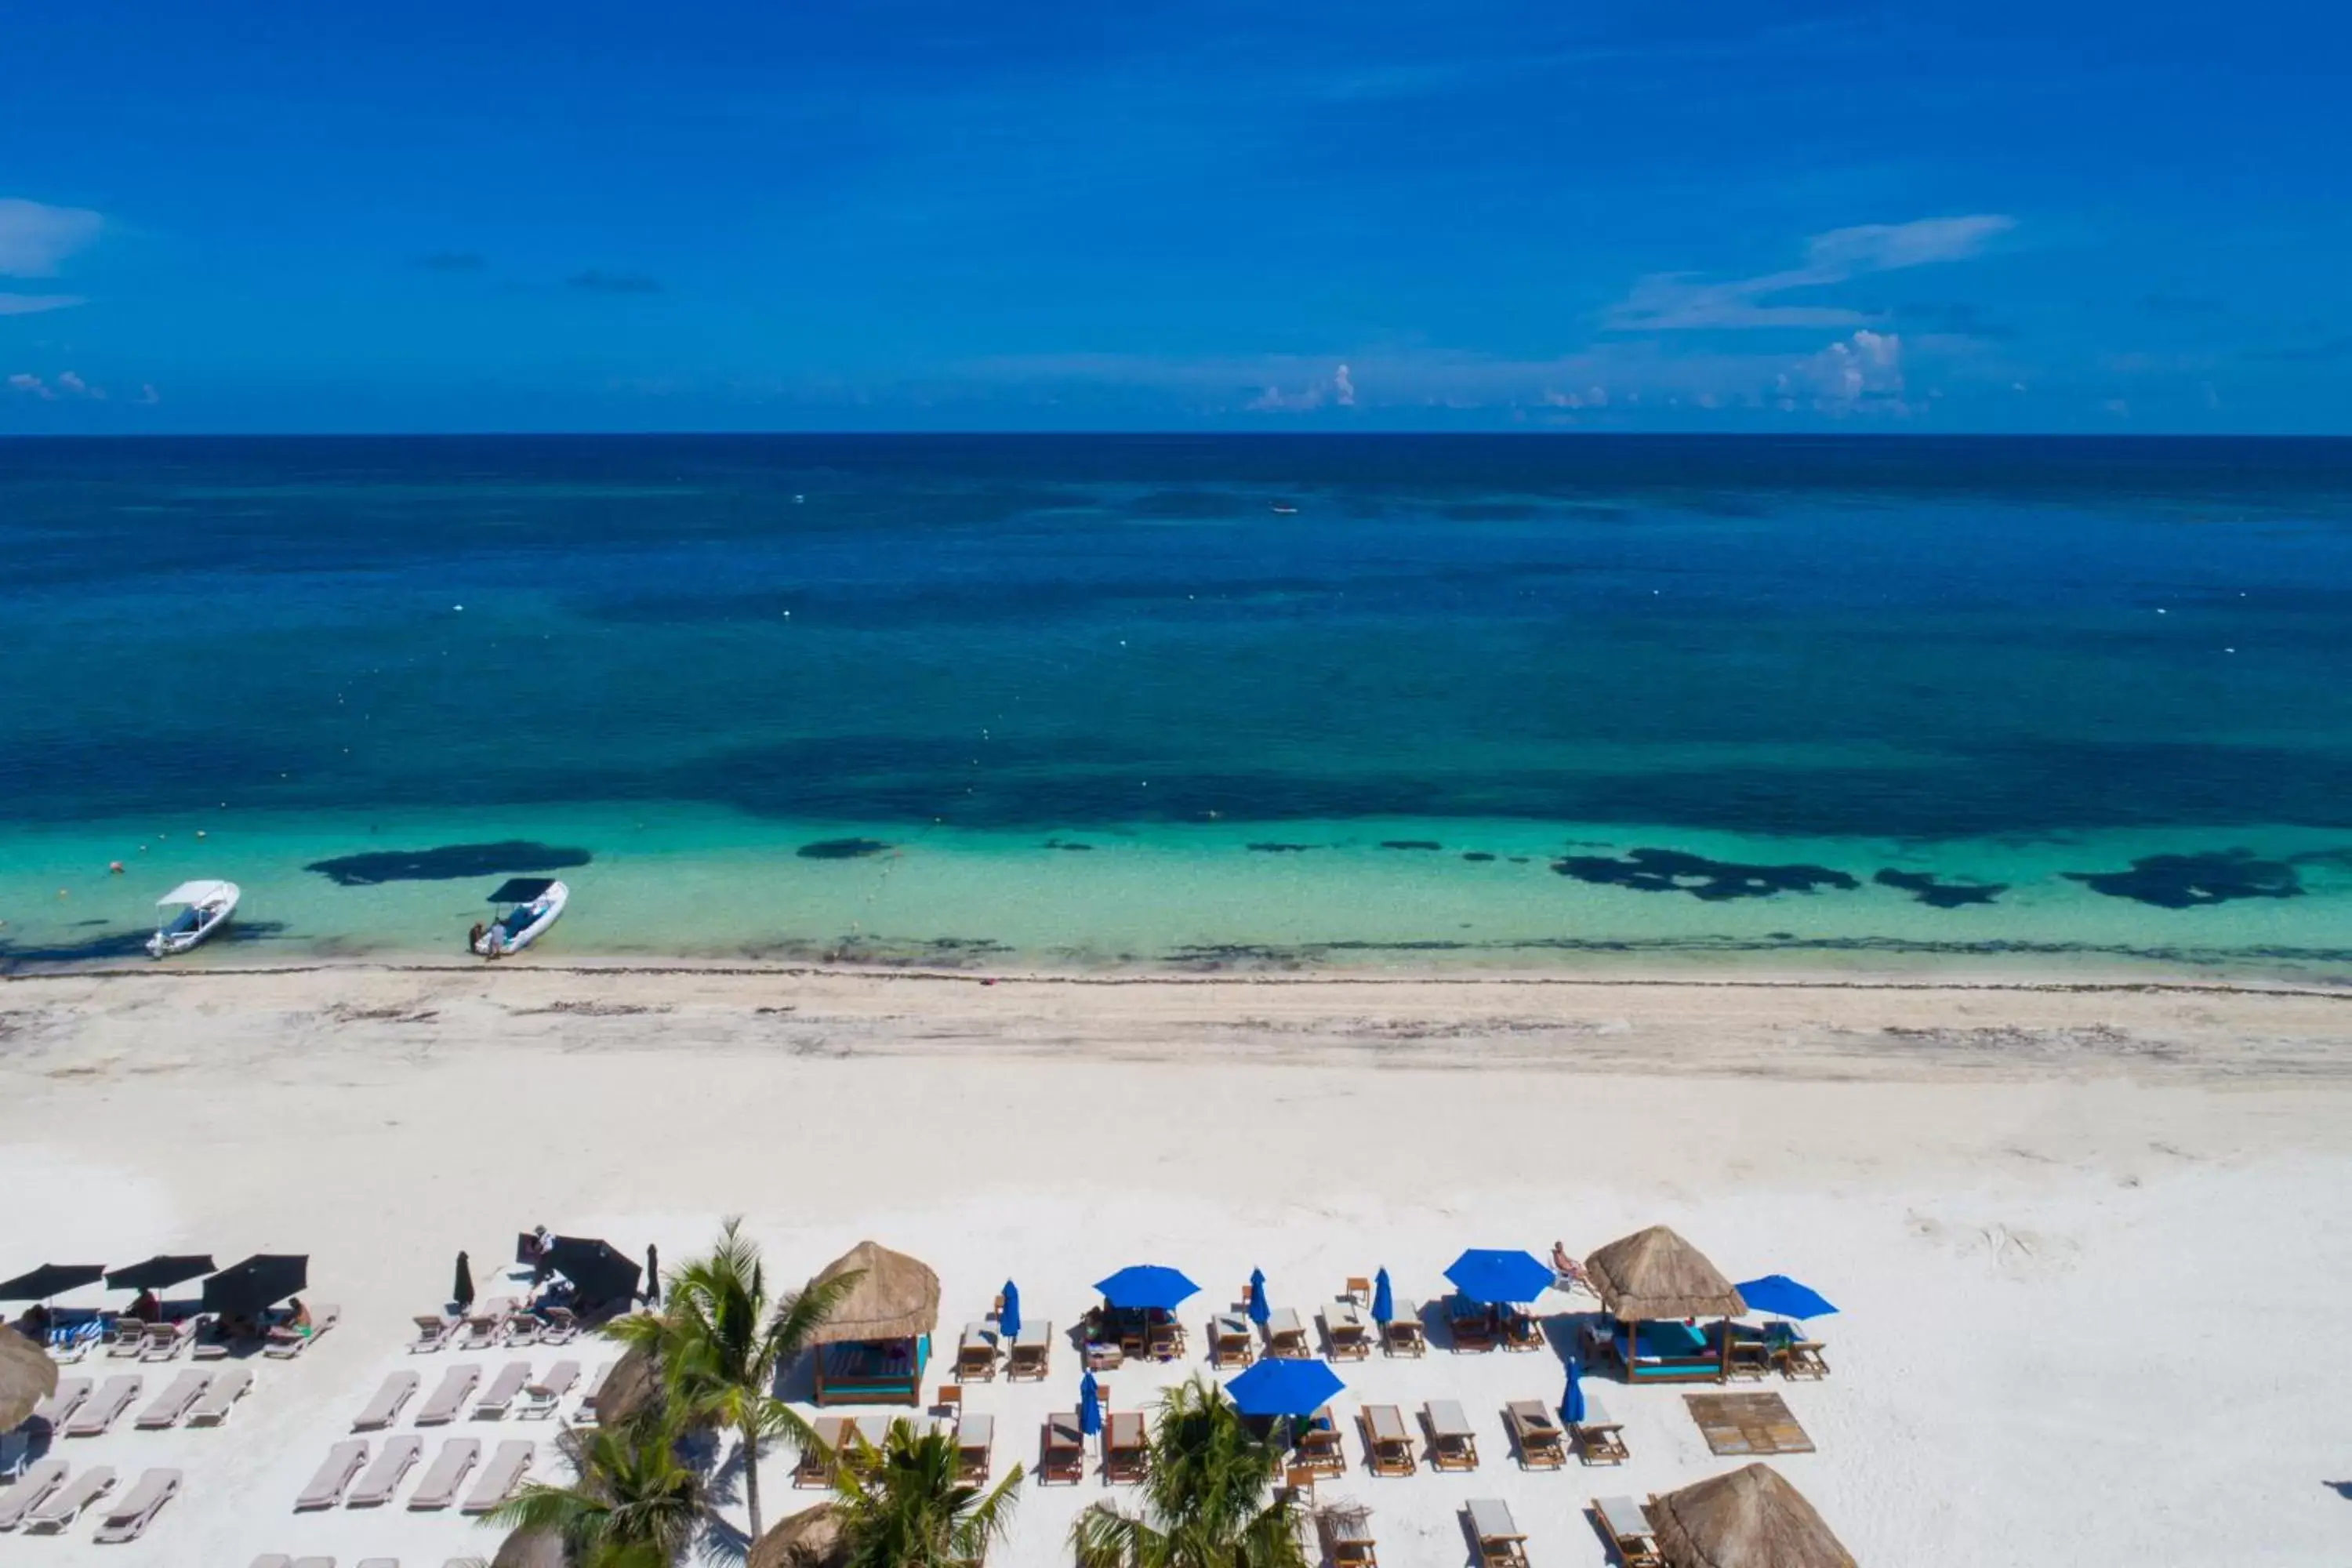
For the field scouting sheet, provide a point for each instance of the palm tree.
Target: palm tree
(905, 1504)
(721, 1343)
(1209, 1501)
(633, 1503)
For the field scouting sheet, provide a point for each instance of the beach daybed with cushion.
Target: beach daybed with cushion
(112, 1398)
(1453, 1444)
(334, 1473)
(1387, 1446)
(1542, 1445)
(384, 1477)
(1630, 1532)
(55, 1514)
(127, 1518)
(1470, 1324)
(1501, 1542)
(30, 1488)
(449, 1469)
(166, 1408)
(874, 1346)
(218, 1402)
(1656, 1284)
(499, 1478)
(1061, 1450)
(385, 1408)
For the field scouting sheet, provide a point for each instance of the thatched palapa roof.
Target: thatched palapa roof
(630, 1389)
(1656, 1273)
(532, 1549)
(27, 1376)
(809, 1539)
(1751, 1518)
(895, 1297)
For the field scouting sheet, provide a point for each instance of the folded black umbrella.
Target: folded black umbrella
(600, 1271)
(461, 1290)
(161, 1270)
(51, 1279)
(258, 1284)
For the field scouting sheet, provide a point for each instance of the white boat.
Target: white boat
(204, 907)
(527, 906)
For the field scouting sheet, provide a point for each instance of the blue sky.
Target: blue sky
(1376, 216)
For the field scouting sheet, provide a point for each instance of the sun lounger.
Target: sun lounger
(165, 1409)
(31, 1486)
(1347, 1330)
(112, 1398)
(1522, 1331)
(126, 1338)
(482, 1325)
(164, 1341)
(278, 1560)
(1387, 1447)
(1453, 1445)
(1317, 1447)
(1501, 1543)
(218, 1401)
(313, 1563)
(382, 1563)
(1061, 1450)
(1630, 1532)
(385, 1408)
(1470, 1324)
(499, 1478)
(558, 1326)
(70, 1394)
(817, 1463)
(522, 1329)
(334, 1473)
(586, 1415)
(1348, 1538)
(1542, 1445)
(976, 1354)
(1600, 1440)
(1401, 1335)
(434, 1331)
(1126, 1451)
(448, 1472)
(285, 1345)
(500, 1395)
(450, 1395)
(975, 1434)
(55, 1514)
(1231, 1343)
(539, 1399)
(1032, 1351)
(1164, 1341)
(126, 1519)
(1285, 1336)
(383, 1477)
(1803, 1358)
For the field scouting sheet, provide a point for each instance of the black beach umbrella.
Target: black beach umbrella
(51, 1279)
(462, 1292)
(261, 1282)
(161, 1270)
(599, 1270)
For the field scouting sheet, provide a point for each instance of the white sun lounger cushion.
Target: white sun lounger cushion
(214, 1408)
(450, 1395)
(127, 1519)
(539, 1399)
(54, 1513)
(112, 1398)
(385, 1408)
(503, 1388)
(383, 1477)
(450, 1468)
(499, 1477)
(334, 1473)
(31, 1486)
(1490, 1518)
(1624, 1517)
(166, 1408)
(60, 1407)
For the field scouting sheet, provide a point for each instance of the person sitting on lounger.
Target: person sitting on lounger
(35, 1325)
(1566, 1270)
(297, 1320)
(147, 1309)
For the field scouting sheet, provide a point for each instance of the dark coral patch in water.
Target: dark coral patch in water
(1932, 890)
(1065, 844)
(1475, 855)
(1674, 871)
(449, 863)
(2193, 881)
(1411, 844)
(1280, 848)
(841, 849)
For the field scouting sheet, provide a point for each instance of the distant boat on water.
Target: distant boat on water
(202, 908)
(1284, 508)
(527, 906)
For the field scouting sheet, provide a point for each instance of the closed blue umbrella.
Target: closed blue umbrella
(1783, 1297)
(1008, 1317)
(1383, 1298)
(1571, 1403)
(1491, 1274)
(1147, 1285)
(1277, 1387)
(1089, 1407)
(1258, 1311)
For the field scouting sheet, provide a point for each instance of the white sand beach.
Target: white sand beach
(2086, 1240)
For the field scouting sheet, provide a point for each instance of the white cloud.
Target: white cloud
(1862, 374)
(32, 385)
(1675, 302)
(1340, 390)
(35, 239)
(1343, 389)
(1591, 397)
(73, 386)
(147, 394)
(34, 304)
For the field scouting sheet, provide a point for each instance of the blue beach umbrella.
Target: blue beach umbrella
(1571, 1403)
(1275, 1387)
(1383, 1298)
(1258, 1311)
(1147, 1285)
(1783, 1297)
(1089, 1407)
(1008, 1317)
(1488, 1274)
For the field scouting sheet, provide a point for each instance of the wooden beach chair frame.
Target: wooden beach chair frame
(1449, 1450)
(1129, 1460)
(1061, 1450)
(1503, 1547)
(1542, 1442)
(1392, 1456)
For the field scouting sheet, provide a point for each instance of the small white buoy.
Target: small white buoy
(2229, 650)
(2159, 611)
(797, 499)
(461, 609)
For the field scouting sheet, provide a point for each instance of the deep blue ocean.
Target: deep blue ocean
(1737, 651)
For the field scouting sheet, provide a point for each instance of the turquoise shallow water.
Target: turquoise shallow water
(1717, 702)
